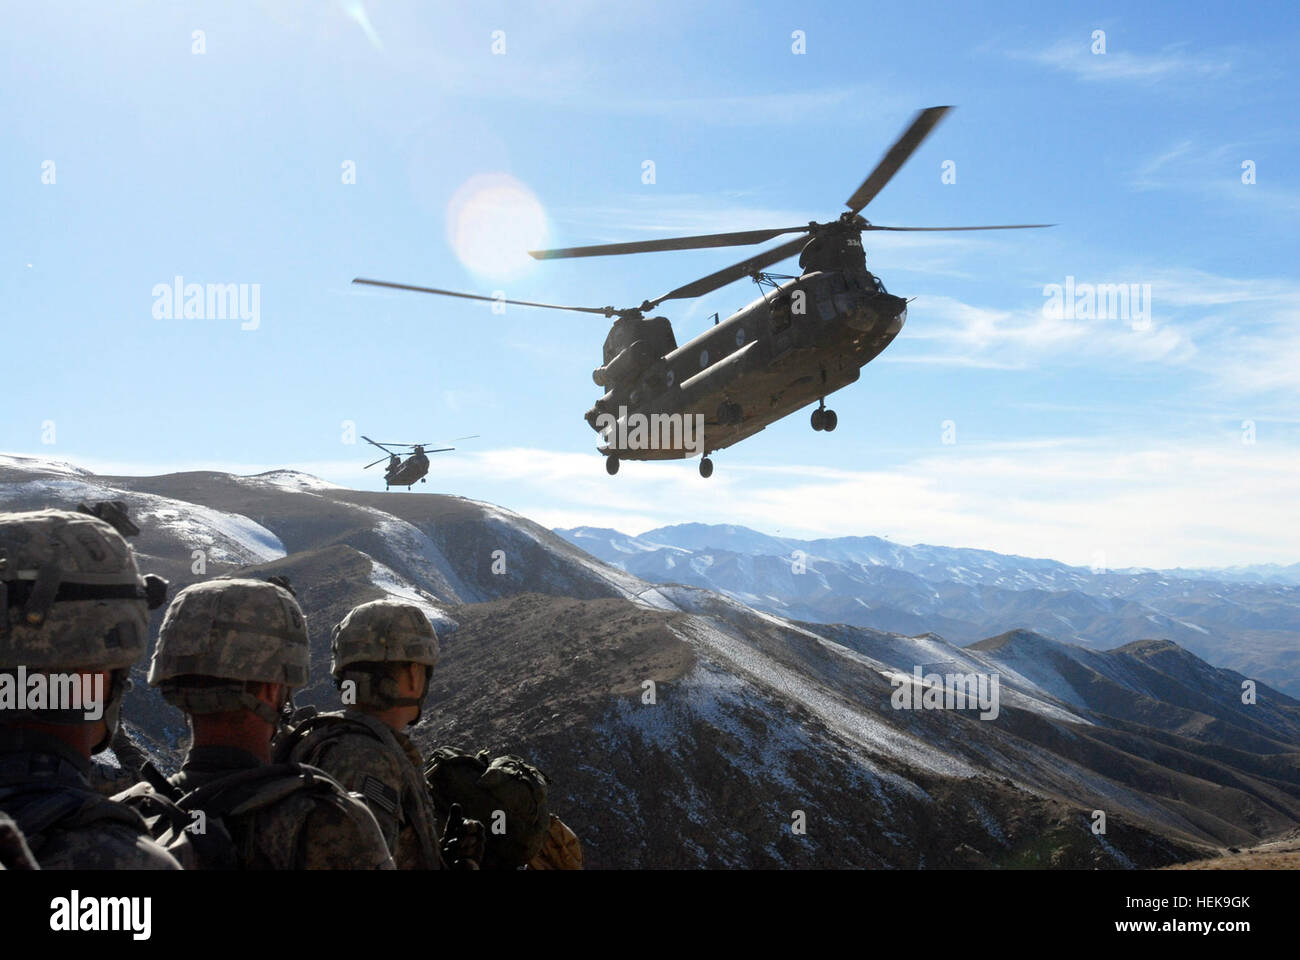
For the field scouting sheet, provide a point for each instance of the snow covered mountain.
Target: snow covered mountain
(1231, 618)
(683, 727)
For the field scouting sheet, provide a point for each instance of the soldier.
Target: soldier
(73, 619)
(229, 655)
(382, 656)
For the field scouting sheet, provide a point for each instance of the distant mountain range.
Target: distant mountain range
(683, 726)
(1245, 618)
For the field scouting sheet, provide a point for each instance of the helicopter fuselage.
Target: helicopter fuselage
(408, 471)
(793, 346)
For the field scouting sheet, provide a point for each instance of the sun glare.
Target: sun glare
(493, 220)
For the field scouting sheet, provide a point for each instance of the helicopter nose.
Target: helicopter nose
(876, 311)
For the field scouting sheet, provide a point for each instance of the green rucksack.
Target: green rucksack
(507, 795)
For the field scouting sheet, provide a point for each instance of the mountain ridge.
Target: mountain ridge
(967, 595)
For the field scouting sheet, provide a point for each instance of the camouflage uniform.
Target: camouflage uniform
(217, 638)
(364, 753)
(71, 601)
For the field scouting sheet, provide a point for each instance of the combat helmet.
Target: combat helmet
(376, 634)
(72, 600)
(220, 635)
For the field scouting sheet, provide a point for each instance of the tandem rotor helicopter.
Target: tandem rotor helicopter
(802, 339)
(406, 468)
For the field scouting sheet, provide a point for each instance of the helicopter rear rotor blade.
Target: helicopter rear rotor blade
(896, 156)
(602, 311)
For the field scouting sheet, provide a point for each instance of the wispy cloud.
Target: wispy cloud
(1241, 334)
(1016, 338)
(1075, 56)
(1215, 173)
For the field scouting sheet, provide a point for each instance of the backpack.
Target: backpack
(508, 795)
(205, 842)
(561, 851)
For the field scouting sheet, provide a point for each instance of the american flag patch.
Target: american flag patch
(377, 792)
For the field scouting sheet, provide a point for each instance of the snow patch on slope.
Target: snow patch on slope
(15, 461)
(857, 727)
(224, 537)
(399, 588)
(290, 480)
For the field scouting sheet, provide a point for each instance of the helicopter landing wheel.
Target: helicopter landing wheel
(706, 468)
(819, 419)
(423, 480)
(829, 420)
(611, 464)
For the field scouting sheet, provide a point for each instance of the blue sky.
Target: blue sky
(1090, 441)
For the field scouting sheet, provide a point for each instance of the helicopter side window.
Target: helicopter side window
(780, 316)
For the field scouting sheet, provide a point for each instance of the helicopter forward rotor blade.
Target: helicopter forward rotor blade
(896, 156)
(601, 311)
(1009, 226)
(736, 239)
(369, 465)
(734, 272)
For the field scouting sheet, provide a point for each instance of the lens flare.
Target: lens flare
(493, 220)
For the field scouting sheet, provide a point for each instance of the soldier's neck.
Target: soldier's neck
(241, 729)
(396, 718)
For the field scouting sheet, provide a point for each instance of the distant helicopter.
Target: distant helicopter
(802, 339)
(404, 473)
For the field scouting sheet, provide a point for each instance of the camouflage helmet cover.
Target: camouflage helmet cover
(383, 631)
(71, 595)
(232, 629)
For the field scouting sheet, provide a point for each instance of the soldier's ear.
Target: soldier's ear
(272, 694)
